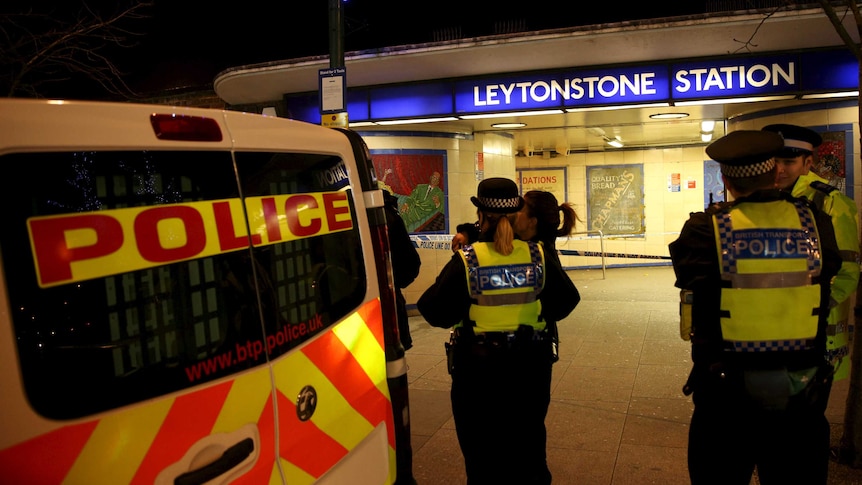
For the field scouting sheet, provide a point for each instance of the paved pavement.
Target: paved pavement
(617, 413)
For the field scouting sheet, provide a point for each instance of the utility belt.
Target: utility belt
(486, 344)
(498, 339)
(771, 389)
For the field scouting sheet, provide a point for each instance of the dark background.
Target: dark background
(198, 32)
(186, 43)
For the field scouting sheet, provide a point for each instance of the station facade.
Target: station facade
(428, 113)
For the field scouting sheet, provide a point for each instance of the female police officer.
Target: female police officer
(497, 293)
(540, 221)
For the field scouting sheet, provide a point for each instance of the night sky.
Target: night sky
(187, 42)
(202, 34)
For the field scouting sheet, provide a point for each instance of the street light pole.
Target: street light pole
(336, 34)
(333, 81)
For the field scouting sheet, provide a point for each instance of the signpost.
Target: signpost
(332, 86)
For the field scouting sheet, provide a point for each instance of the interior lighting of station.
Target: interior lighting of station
(663, 115)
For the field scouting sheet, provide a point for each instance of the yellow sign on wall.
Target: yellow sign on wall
(551, 180)
(334, 120)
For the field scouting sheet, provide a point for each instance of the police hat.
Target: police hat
(499, 195)
(798, 140)
(745, 153)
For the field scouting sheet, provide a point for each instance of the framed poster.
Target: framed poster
(615, 199)
(831, 158)
(551, 179)
(417, 178)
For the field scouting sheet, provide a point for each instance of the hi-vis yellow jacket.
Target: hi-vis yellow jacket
(845, 221)
(769, 255)
(504, 289)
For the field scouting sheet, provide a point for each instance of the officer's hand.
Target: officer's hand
(458, 241)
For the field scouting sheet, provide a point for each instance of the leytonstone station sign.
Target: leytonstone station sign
(762, 76)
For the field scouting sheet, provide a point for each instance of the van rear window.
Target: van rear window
(133, 274)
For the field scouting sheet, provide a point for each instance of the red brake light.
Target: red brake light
(185, 128)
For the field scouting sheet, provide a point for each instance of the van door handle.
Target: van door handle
(231, 457)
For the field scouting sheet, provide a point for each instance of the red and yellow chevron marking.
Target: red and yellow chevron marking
(190, 414)
(27, 463)
(353, 397)
(346, 367)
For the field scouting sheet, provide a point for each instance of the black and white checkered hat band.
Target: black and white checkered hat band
(741, 171)
(513, 203)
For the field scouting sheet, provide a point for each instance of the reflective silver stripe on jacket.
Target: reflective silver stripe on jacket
(769, 280)
(507, 299)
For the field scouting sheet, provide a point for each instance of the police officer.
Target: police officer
(405, 264)
(543, 220)
(497, 293)
(759, 269)
(795, 176)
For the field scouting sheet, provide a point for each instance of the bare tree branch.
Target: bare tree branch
(748, 44)
(839, 27)
(39, 50)
(856, 16)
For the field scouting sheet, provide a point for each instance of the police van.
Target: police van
(194, 296)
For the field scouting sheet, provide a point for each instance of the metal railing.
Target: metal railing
(567, 252)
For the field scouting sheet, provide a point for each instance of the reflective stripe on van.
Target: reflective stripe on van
(346, 368)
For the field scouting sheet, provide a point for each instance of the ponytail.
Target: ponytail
(504, 236)
(553, 219)
(570, 217)
(502, 227)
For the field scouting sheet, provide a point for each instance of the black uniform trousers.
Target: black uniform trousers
(787, 446)
(500, 396)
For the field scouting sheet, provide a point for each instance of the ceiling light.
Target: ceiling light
(508, 125)
(668, 116)
(618, 106)
(707, 126)
(614, 142)
(705, 137)
(843, 94)
(512, 113)
(416, 120)
(753, 99)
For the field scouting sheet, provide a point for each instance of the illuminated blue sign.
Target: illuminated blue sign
(509, 94)
(618, 86)
(411, 101)
(830, 70)
(735, 77)
(564, 90)
(770, 75)
(305, 107)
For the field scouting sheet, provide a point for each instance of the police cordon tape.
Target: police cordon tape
(444, 242)
(432, 241)
(570, 252)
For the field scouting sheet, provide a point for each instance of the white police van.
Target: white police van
(193, 296)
